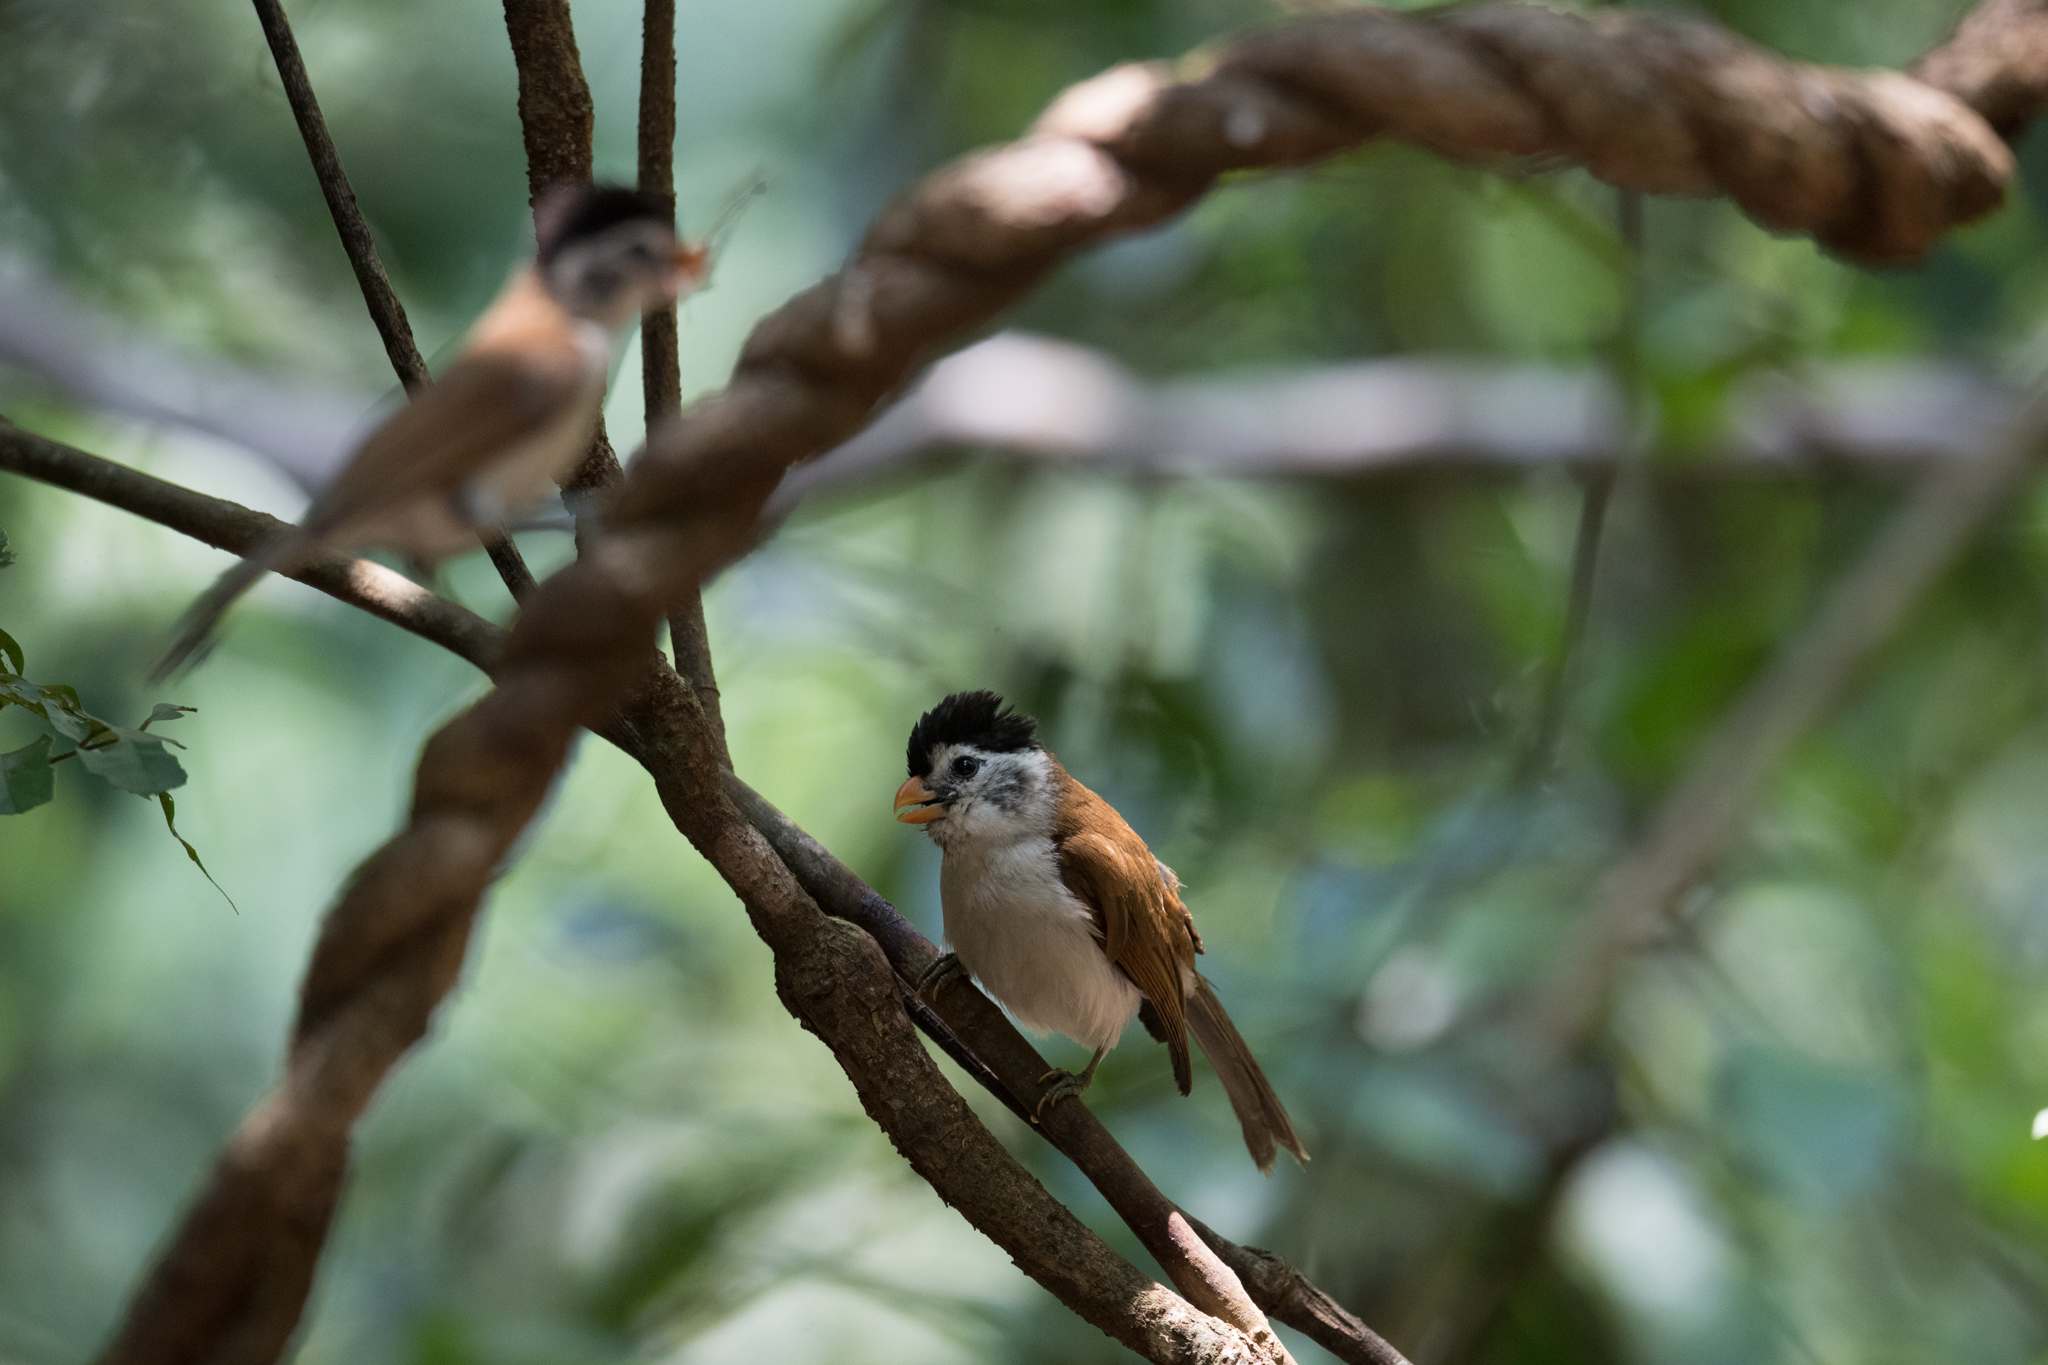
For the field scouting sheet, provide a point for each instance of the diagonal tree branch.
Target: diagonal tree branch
(361, 248)
(229, 526)
(356, 242)
(1700, 816)
(1016, 1073)
(1872, 165)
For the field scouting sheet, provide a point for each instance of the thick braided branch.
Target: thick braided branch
(1873, 165)
(1997, 63)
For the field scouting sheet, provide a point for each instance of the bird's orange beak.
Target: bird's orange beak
(691, 263)
(916, 804)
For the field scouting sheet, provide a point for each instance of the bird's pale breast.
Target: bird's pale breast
(1021, 932)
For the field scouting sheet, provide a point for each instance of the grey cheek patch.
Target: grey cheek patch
(1009, 792)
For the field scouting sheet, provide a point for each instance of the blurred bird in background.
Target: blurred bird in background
(1056, 905)
(513, 413)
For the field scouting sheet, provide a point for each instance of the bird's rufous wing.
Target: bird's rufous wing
(1145, 929)
(484, 405)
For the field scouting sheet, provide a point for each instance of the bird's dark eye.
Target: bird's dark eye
(964, 766)
(640, 252)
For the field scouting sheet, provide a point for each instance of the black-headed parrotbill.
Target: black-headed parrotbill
(511, 414)
(1059, 909)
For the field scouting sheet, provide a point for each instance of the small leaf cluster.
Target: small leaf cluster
(129, 757)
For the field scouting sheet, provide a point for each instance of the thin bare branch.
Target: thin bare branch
(356, 241)
(1594, 497)
(238, 530)
(1701, 815)
(660, 348)
(361, 248)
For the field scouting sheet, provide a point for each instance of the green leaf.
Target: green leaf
(170, 808)
(25, 777)
(75, 726)
(21, 692)
(10, 649)
(6, 555)
(130, 759)
(165, 710)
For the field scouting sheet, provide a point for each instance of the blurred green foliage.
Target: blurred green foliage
(1804, 1134)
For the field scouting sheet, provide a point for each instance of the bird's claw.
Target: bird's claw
(944, 969)
(1065, 1085)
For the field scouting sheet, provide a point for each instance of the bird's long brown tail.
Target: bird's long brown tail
(195, 628)
(1259, 1111)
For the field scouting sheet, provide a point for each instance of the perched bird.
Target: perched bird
(1056, 905)
(513, 412)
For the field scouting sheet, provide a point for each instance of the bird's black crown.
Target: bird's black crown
(568, 213)
(976, 718)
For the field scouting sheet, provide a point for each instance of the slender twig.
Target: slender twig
(1594, 497)
(1509, 1246)
(661, 368)
(361, 248)
(660, 350)
(238, 530)
(356, 241)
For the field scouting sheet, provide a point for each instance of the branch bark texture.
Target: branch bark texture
(1876, 166)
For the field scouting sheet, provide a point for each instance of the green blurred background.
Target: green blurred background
(1806, 1134)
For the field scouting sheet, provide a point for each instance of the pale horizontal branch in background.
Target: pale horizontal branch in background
(1030, 397)
(110, 364)
(1035, 398)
